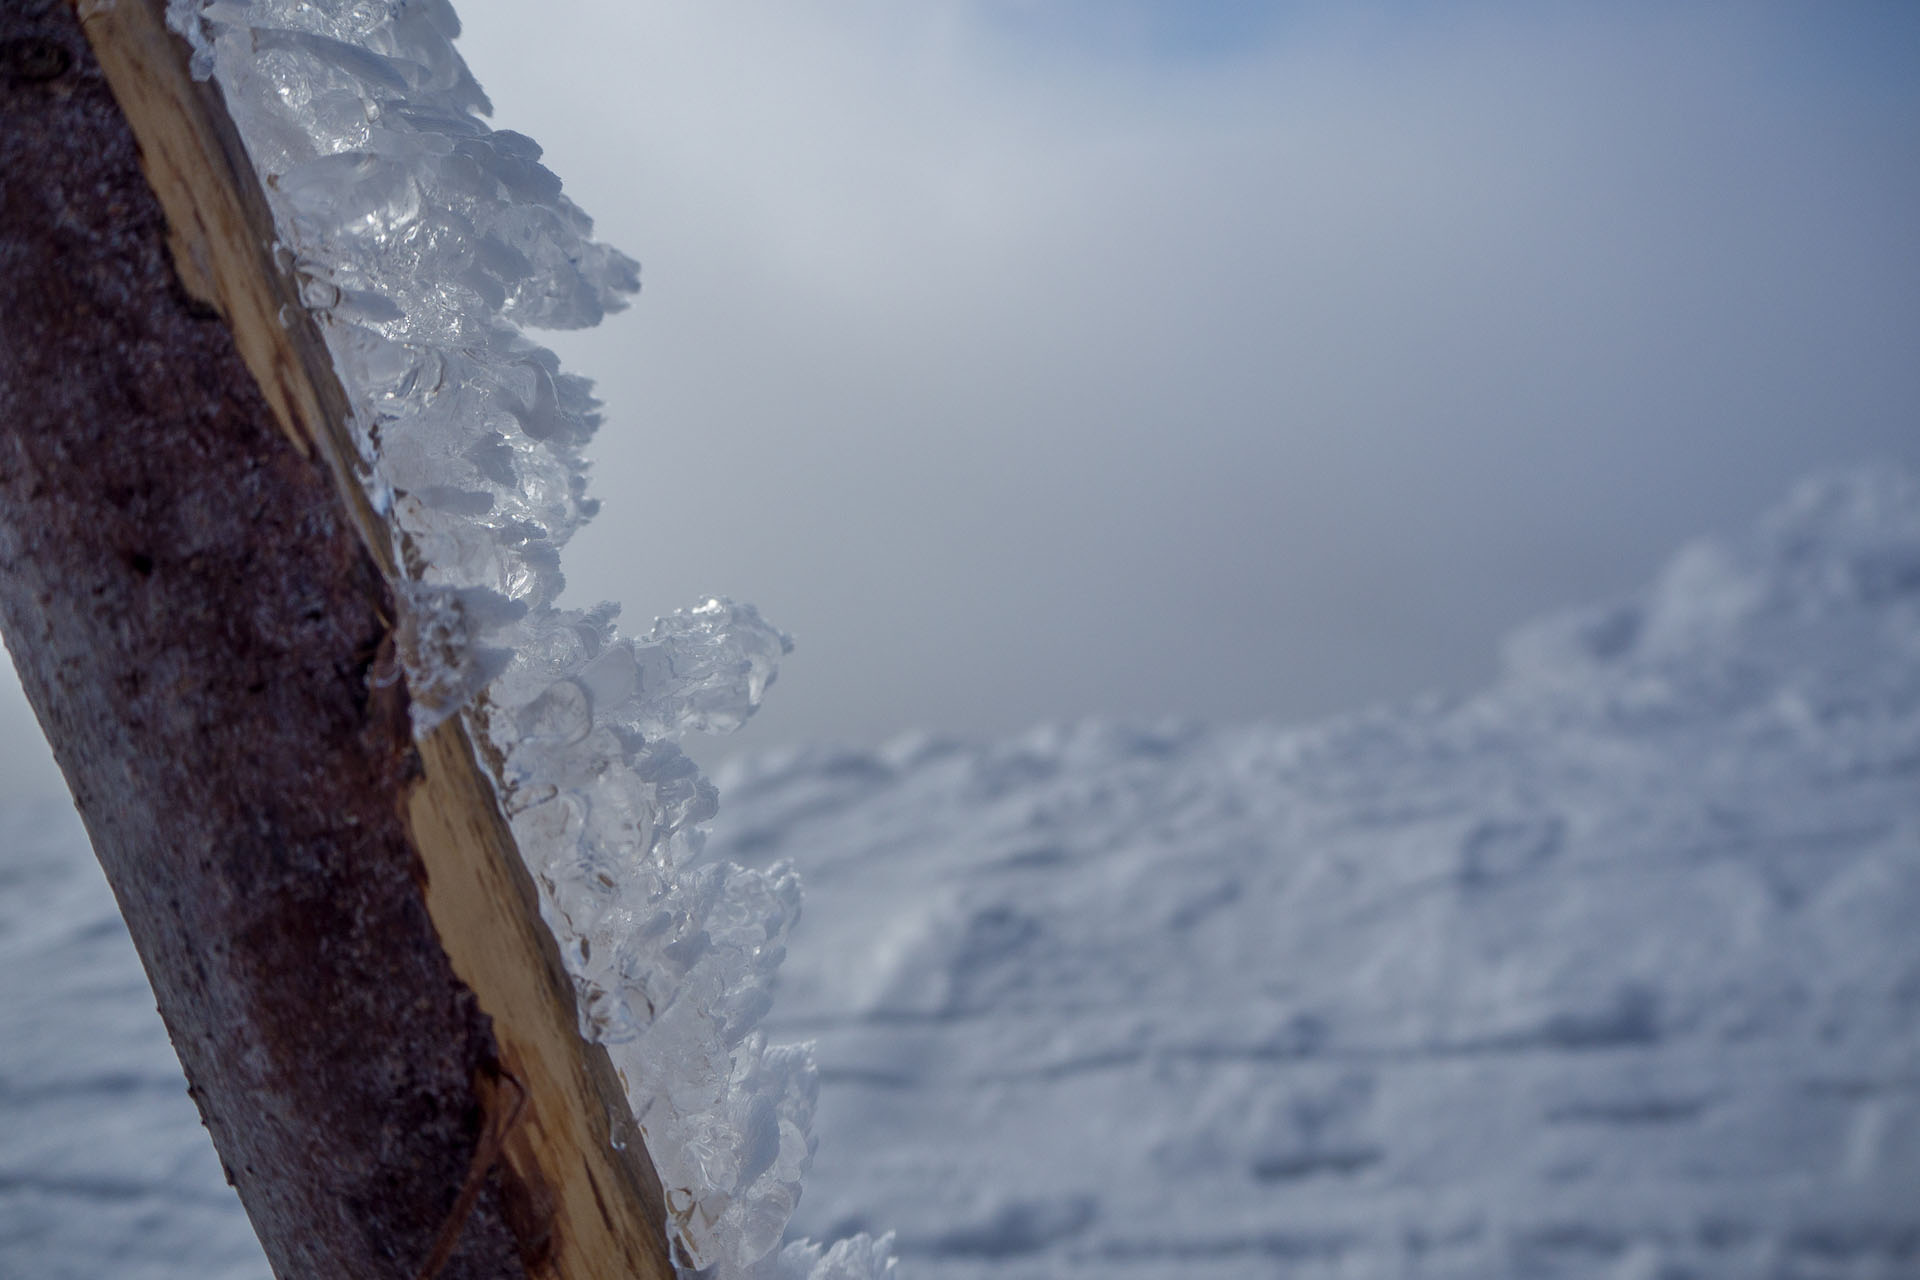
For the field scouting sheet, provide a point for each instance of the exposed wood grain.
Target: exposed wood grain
(341, 936)
(484, 905)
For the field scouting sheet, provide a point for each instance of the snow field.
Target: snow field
(1609, 971)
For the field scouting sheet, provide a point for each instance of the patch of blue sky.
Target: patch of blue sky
(1873, 42)
(1869, 49)
(1173, 30)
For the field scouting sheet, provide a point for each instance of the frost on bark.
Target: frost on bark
(371, 1018)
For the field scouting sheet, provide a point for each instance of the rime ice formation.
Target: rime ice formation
(425, 241)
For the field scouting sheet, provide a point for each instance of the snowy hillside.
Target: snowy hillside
(1612, 970)
(104, 1168)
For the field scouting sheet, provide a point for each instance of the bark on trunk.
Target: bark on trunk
(343, 944)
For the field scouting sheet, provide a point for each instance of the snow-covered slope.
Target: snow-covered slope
(104, 1168)
(1612, 970)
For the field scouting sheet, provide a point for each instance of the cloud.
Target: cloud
(1030, 360)
(1030, 369)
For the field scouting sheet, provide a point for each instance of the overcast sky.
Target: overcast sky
(1031, 360)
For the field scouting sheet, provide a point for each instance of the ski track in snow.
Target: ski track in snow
(1611, 970)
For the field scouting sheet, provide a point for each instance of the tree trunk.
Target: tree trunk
(342, 940)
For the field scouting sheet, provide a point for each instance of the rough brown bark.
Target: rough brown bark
(345, 951)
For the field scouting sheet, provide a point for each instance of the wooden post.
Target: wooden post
(342, 939)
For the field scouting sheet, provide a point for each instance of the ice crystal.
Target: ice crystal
(425, 241)
(857, 1258)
